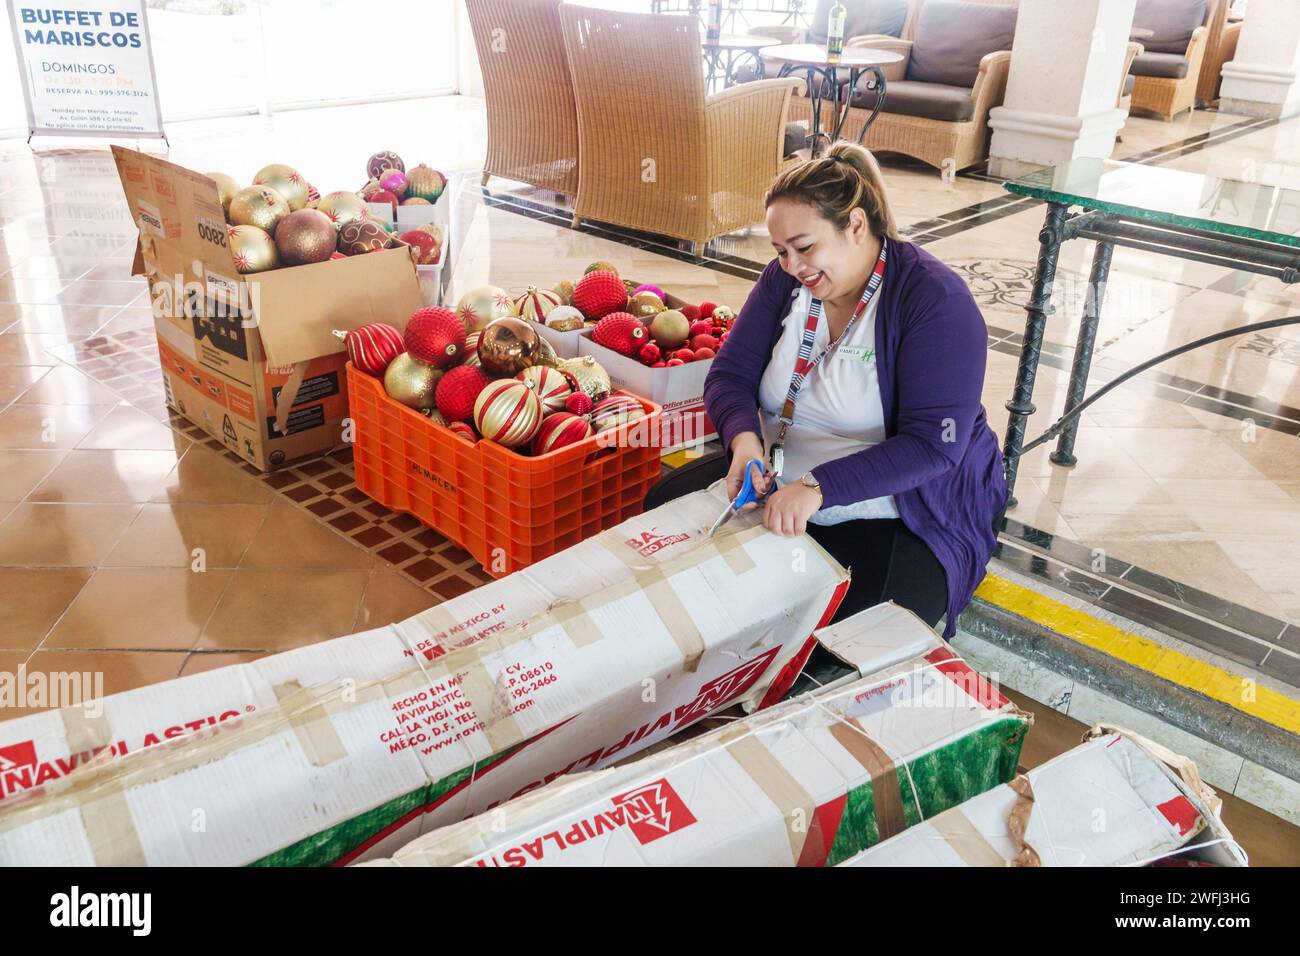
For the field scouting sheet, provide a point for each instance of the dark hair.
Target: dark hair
(846, 178)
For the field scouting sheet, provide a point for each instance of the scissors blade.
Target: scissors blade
(723, 518)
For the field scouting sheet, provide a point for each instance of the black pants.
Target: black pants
(888, 562)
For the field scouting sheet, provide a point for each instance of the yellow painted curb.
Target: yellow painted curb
(1240, 693)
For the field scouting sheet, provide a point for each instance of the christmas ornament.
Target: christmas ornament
(552, 388)
(547, 356)
(305, 236)
(565, 288)
(644, 305)
(508, 346)
(381, 195)
(252, 249)
(342, 208)
(313, 197)
(428, 250)
(614, 411)
(459, 387)
(564, 318)
(704, 341)
(384, 160)
(395, 183)
(704, 354)
(362, 236)
(597, 294)
(647, 287)
(464, 431)
(425, 182)
(412, 383)
(692, 312)
(259, 206)
(226, 189)
(723, 314)
(669, 328)
(369, 189)
(435, 336)
(471, 348)
(372, 347)
(706, 310)
(285, 180)
(650, 353)
(600, 266)
(536, 304)
(621, 332)
(508, 412)
(702, 327)
(686, 355)
(487, 303)
(435, 416)
(558, 430)
(589, 376)
(674, 362)
(579, 403)
(415, 201)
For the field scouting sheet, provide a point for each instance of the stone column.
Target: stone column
(1260, 80)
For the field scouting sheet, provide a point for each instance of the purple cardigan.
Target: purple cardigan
(941, 460)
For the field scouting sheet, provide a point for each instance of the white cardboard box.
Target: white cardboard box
(808, 782)
(355, 746)
(1111, 801)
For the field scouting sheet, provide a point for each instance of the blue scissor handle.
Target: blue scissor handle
(747, 493)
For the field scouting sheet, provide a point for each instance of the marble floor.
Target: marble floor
(1189, 476)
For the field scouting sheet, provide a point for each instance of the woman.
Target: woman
(879, 448)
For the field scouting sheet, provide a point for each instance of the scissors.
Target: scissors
(746, 496)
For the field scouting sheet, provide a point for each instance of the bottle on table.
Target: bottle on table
(835, 33)
(714, 32)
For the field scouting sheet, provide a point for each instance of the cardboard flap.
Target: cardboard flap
(297, 309)
(878, 637)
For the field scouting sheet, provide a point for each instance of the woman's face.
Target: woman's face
(830, 262)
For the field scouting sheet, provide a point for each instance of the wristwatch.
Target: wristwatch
(809, 481)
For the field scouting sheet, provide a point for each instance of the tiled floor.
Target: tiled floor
(109, 505)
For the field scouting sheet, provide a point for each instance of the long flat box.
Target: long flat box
(809, 782)
(355, 746)
(1115, 800)
(252, 359)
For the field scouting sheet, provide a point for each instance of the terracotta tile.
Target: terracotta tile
(397, 553)
(206, 477)
(196, 662)
(325, 507)
(425, 570)
(140, 608)
(129, 428)
(168, 535)
(114, 671)
(65, 385)
(453, 586)
(372, 537)
(347, 521)
(389, 598)
(59, 535)
(302, 493)
(48, 426)
(291, 538)
(404, 523)
(33, 599)
(22, 470)
(106, 476)
(276, 609)
(336, 481)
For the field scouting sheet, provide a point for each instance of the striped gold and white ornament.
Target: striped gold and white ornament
(560, 429)
(550, 385)
(536, 304)
(614, 411)
(508, 412)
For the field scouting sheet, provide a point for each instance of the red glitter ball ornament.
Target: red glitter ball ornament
(650, 353)
(458, 390)
(706, 309)
(599, 293)
(435, 336)
(692, 312)
(579, 403)
(620, 331)
(686, 355)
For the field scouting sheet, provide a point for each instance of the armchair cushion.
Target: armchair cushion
(1130, 81)
(952, 37)
(1171, 23)
(865, 16)
(937, 101)
(1169, 65)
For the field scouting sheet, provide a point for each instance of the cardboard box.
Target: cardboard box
(808, 782)
(251, 359)
(355, 746)
(434, 279)
(1115, 800)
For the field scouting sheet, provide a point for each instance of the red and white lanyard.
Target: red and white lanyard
(806, 361)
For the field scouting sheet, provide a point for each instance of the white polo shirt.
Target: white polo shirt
(838, 410)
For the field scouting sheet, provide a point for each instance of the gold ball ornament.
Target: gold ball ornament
(342, 207)
(564, 318)
(226, 189)
(670, 329)
(508, 346)
(434, 416)
(259, 206)
(252, 249)
(425, 182)
(588, 376)
(285, 180)
(645, 305)
(305, 236)
(565, 288)
(487, 303)
(415, 201)
(410, 382)
(600, 265)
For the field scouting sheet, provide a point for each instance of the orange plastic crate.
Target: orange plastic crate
(507, 510)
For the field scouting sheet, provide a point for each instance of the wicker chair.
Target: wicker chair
(532, 124)
(1169, 95)
(654, 152)
(947, 145)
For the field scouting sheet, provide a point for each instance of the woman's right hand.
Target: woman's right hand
(744, 448)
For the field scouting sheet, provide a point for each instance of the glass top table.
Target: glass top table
(1226, 216)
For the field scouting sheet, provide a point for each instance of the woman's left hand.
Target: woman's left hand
(788, 509)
